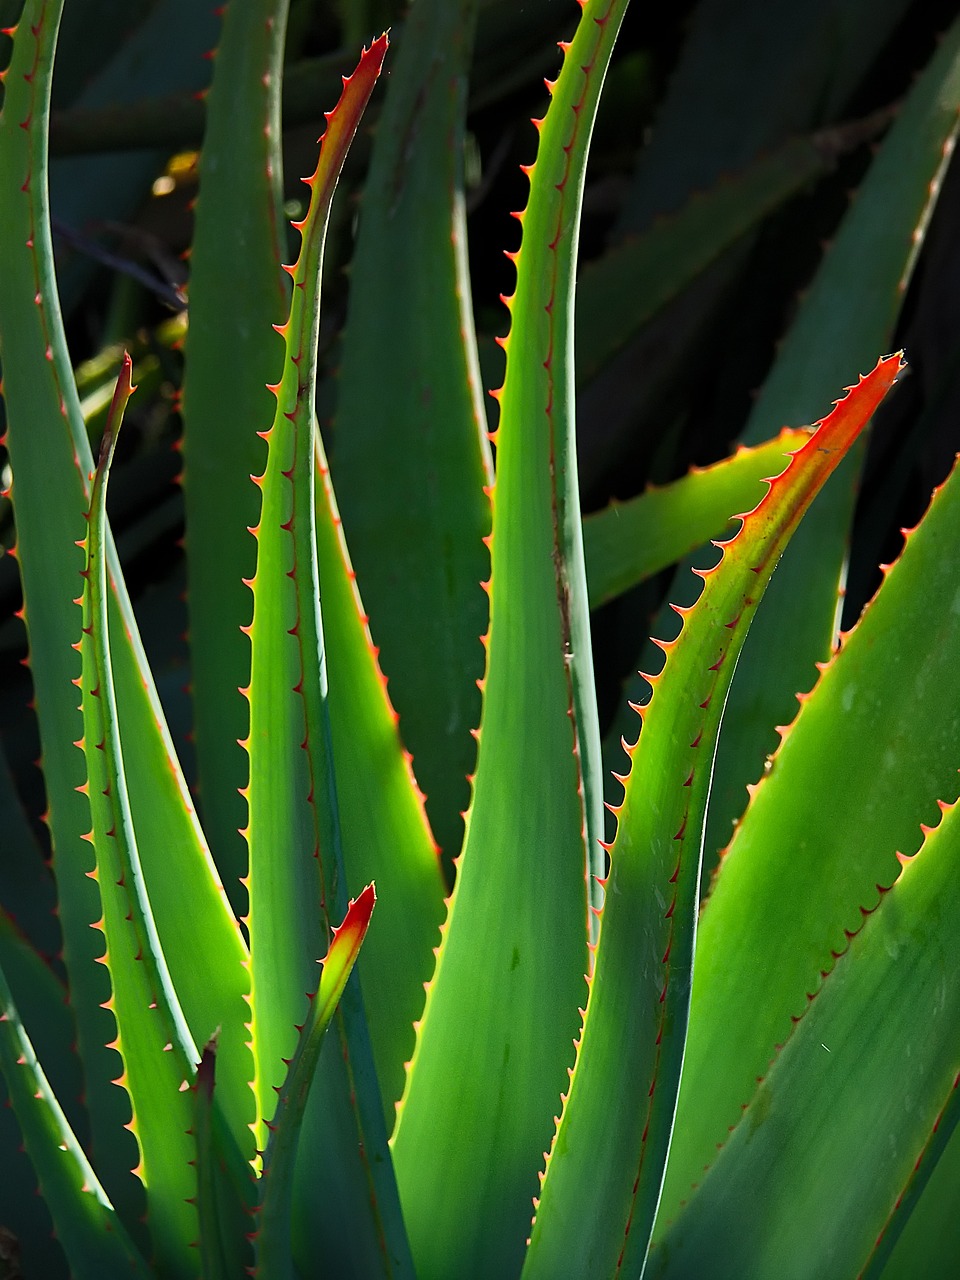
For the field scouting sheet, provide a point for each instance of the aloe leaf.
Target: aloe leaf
(273, 1256)
(836, 1127)
(628, 542)
(346, 1192)
(89, 1229)
(385, 831)
(293, 824)
(50, 458)
(520, 899)
(153, 1040)
(236, 293)
(852, 801)
(930, 1187)
(409, 454)
(847, 315)
(632, 1042)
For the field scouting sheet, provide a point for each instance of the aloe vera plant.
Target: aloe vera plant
(578, 1058)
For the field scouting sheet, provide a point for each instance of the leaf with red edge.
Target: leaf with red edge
(612, 1156)
(272, 1241)
(856, 1105)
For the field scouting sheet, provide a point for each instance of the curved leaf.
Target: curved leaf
(632, 1043)
(520, 900)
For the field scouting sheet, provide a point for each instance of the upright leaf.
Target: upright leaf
(632, 1042)
(92, 1235)
(847, 1115)
(862, 766)
(50, 458)
(346, 1196)
(274, 1258)
(409, 454)
(152, 1038)
(236, 294)
(466, 1155)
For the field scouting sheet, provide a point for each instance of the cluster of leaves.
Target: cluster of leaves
(410, 1141)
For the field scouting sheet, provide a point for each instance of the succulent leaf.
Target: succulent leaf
(50, 457)
(852, 803)
(237, 291)
(845, 318)
(153, 1040)
(520, 899)
(297, 877)
(273, 1252)
(632, 1042)
(86, 1222)
(418, 486)
(629, 541)
(821, 1113)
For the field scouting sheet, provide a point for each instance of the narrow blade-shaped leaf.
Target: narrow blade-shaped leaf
(236, 293)
(629, 541)
(482, 1090)
(92, 1235)
(835, 1130)
(50, 457)
(860, 768)
(386, 836)
(152, 1038)
(409, 453)
(847, 315)
(274, 1257)
(612, 1158)
(346, 1190)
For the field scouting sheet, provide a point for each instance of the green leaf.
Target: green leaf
(50, 458)
(153, 1039)
(860, 768)
(625, 287)
(293, 824)
(628, 542)
(236, 293)
(273, 1235)
(386, 838)
(520, 899)
(634, 1030)
(223, 1240)
(40, 1000)
(837, 1125)
(346, 1191)
(409, 455)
